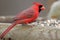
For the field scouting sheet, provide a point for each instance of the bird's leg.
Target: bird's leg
(24, 24)
(27, 24)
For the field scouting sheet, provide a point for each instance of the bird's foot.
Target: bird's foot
(27, 25)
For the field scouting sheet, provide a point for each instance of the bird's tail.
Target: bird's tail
(7, 30)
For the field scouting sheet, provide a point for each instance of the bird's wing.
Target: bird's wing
(25, 15)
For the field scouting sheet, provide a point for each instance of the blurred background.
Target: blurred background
(12, 7)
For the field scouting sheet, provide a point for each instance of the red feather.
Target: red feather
(26, 16)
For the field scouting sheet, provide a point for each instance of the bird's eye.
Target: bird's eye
(40, 6)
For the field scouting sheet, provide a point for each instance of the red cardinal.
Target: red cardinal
(27, 16)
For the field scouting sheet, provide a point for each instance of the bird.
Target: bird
(54, 12)
(26, 16)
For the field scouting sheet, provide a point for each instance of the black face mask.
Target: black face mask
(40, 7)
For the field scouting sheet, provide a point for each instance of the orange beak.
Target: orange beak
(43, 8)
